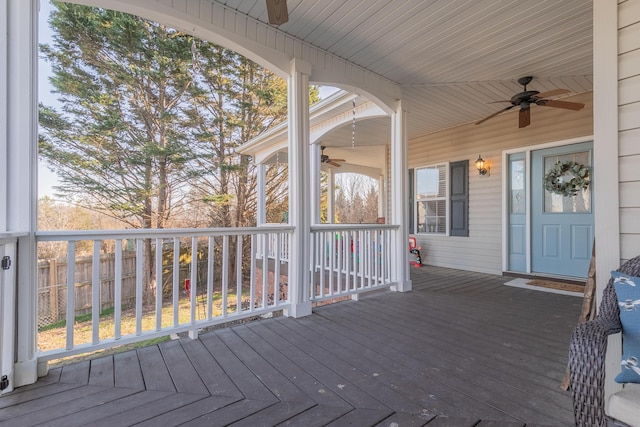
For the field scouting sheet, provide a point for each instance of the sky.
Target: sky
(46, 178)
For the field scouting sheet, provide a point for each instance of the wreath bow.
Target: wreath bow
(556, 180)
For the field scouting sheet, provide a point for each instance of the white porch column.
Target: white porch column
(299, 184)
(400, 200)
(382, 199)
(331, 197)
(261, 190)
(605, 158)
(18, 112)
(314, 187)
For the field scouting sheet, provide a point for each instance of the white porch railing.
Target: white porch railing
(282, 255)
(350, 259)
(204, 276)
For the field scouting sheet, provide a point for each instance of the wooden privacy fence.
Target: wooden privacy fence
(52, 285)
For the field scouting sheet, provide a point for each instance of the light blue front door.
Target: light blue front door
(561, 224)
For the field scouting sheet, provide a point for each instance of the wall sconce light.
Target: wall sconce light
(482, 166)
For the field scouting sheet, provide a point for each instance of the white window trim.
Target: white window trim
(446, 197)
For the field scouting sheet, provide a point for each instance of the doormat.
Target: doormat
(550, 284)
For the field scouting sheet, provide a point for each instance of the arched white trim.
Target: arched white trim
(265, 146)
(367, 110)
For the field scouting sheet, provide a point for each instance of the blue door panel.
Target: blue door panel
(551, 242)
(581, 238)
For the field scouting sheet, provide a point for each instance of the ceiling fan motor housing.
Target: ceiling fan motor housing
(524, 97)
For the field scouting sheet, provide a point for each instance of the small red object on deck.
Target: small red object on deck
(414, 249)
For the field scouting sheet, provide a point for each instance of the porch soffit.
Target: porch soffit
(214, 21)
(446, 60)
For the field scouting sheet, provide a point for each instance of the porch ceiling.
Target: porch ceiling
(451, 57)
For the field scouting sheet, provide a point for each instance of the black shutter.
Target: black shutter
(459, 198)
(412, 198)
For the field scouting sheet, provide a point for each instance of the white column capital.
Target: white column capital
(297, 65)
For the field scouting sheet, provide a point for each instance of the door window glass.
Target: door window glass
(518, 199)
(554, 201)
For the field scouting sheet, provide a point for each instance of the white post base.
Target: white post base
(298, 310)
(402, 287)
(43, 369)
(25, 373)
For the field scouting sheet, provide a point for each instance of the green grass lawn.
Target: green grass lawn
(53, 336)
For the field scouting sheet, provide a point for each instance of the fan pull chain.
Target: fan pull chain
(353, 127)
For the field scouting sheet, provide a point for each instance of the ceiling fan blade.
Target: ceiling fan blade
(332, 163)
(524, 117)
(554, 92)
(338, 160)
(277, 12)
(495, 114)
(560, 104)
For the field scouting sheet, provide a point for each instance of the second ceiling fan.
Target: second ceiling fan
(526, 98)
(326, 159)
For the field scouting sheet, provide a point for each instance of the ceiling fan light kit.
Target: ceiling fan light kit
(526, 98)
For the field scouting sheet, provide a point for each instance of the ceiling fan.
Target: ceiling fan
(326, 159)
(526, 98)
(277, 11)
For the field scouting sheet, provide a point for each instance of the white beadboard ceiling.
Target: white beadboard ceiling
(452, 57)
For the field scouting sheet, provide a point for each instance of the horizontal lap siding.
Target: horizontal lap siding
(482, 250)
(629, 127)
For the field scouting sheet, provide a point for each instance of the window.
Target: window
(442, 199)
(431, 199)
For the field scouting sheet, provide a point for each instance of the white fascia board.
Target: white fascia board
(275, 138)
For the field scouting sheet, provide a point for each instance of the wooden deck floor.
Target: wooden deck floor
(460, 350)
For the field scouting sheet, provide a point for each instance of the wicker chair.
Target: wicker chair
(587, 356)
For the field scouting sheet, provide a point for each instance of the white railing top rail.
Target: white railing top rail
(344, 227)
(156, 233)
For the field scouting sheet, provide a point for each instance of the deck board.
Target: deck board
(183, 374)
(155, 372)
(262, 339)
(77, 373)
(102, 372)
(211, 373)
(127, 371)
(460, 350)
(249, 385)
(114, 413)
(317, 416)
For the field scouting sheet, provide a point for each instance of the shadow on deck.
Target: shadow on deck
(462, 349)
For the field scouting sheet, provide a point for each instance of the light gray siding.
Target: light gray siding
(629, 126)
